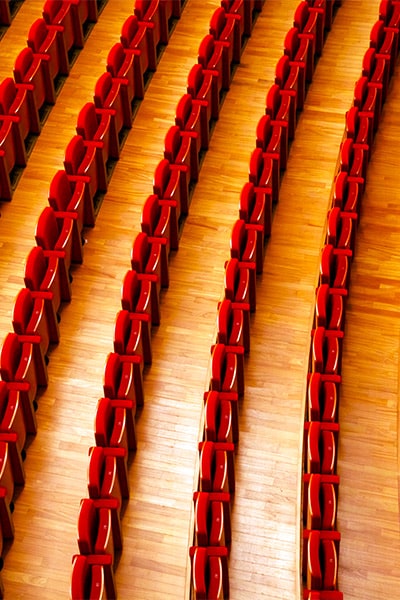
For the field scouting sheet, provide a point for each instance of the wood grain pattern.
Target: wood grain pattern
(156, 525)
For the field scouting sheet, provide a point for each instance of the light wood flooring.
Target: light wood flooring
(264, 560)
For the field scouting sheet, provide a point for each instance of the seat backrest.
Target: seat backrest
(116, 58)
(7, 94)
(87, 525)
(22, 311)
(206, 50)
(47, 230)
(37, 35)
(128, 31)
(217, 22)
(22, 64)
(140, 252)
(74, 154)
(161, 177)
(183, 110)
(10, 356)
(35, 268)
(87, 122)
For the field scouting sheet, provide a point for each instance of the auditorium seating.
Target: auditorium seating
(48, 41)
(137, 37)
(109, 94)
(247, 243)
(320, 496)
(136, 297)
(191, 119)
(264, 173)
(92, 577)
(330, 307)
(203, 86)
(320, 447)
(12, 155)
(132, 334)
(341, 229)
(213, 56)
(240, 282)
(160, 219)
(107, 475)
(114, 425)
(97, 125)
(178, 152)
(99, 528)
(227, 368)
(216, 469)
(70, 195)
(30, 68)
(149, 11)
(12, 418)
(15, 102)
(122, 66)
(323, 397)
(320, 567)
(170, 184)
(221, 422)
(210, 579)
(325, 355)
(255, 207)
(224, 27)
(123, 378)
(233, 324)
(212, 515)
(33, 314)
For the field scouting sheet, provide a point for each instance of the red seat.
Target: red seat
(11, 469)
(323, 397)
(48, 41)
(23, 367)
(291, 82)
(192, 120)
(108, 475)
(55, 231)
(83, 161)
(122, 66)
(242, 10)
(320, 559)
(99, 527)
(136, 297)
(218, 418)
(217, 471)
(299, 48)
(149, 257)
(210, 578)
(377, 69)
(159, 219)
(123, 378)
(347, 193)
(240, 282)
(271, 136)
(12, 155)
(12, 417)
(45, 272)
(264, 173)
(368, 99)
(321, 447)
(212, 519)
(170, 183)
(359, 128)
(341, 228)
(97, 125)
(70, 195)
(227, 368)
(224, 27)
(279, 107)
(138, 37)
(389, 13)
(114, 425)
(149, 11)
(326, 351)
(330, 307)
(132, 334)
(30, 68)
(353, 159)
(255, 207)
(233, 324)
(334, 266)
(109, 93)
(385, 40)
(203, 86)
(247, 243)
(179, 154)
(92, 577)
(213, 57)
(33, 314)
(310, 21)
(16, 102)
(62, 14)
(320, 501)
(222, 420)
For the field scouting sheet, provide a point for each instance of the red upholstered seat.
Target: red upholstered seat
(110, 93)
(159, 219)
(68, 195)
(97, 125)
(114, 425)
(225, 28)
(233, 324)
(123, 377)
(99, 527)
(12, 417)
(334, 266)
(320, 495)
(264, 172)
(30, 68)
(247, 243)
(203, 86)
(47, 40)
(132, 334)
(83, 161)
(212, 519)
(122, 66)
(300, 49)
(320, 559)
(321, 440)
(347, 193)
(170, 183)
(138, 37)
(227, 368)
(12, 154)
(210, 578)
(62, 14)
(323, 397)
(341, 228)
(92, 577)
(240, 282)
(255, 207)
(136, 296)
(330, 307)
(33, 314)
(221, 422)
(216, 470)
(107, 474)
(326, 351)
(16, 102)
(149, 11)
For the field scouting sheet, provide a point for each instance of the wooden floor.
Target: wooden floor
(264, 558)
